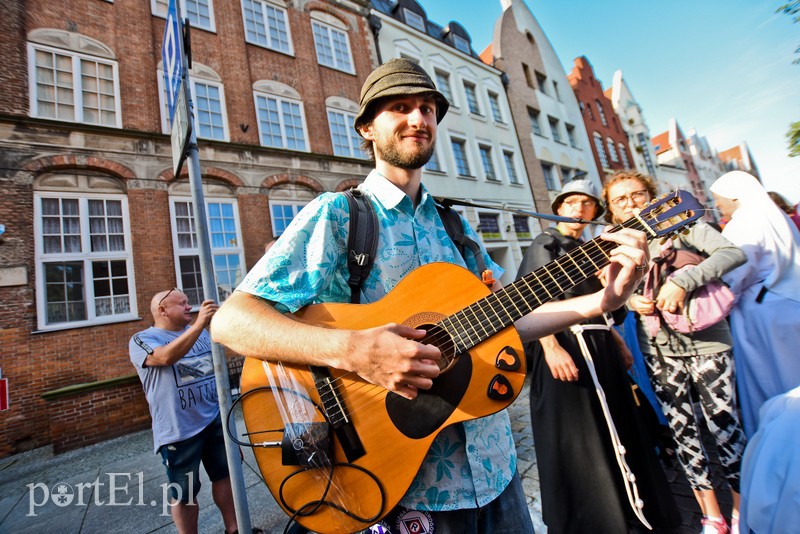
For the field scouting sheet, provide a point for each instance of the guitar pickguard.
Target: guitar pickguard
(426, 414)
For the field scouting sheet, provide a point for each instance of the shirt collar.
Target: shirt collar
(389, 194)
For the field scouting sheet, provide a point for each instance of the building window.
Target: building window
(69, 86)
(644, 143)
(266, 25)
(601, 112)
(522, 227)
(588, 109)
(472, 99)
(611, 150)
(433, 163)
(333, 47)
(199, 12)
(555, 90)
(566, 174)
(415, 20)
(494, 103)
(227, 254)
(601, 152)
(488, 163)
(533, 115)
(550, 178)
(282, 214)
(489, 226)
(541, 80)
(280, 122)
(462, 44)
(554, 129)
(209, 114)
(460, 155)
(511, 167)
(528, 78)
(443, 84)
(623, 154)
(346, 142)
(84, 267)
(571, 135)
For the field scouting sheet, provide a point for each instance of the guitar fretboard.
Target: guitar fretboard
(484, 318)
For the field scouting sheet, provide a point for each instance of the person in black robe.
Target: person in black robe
(581, 482)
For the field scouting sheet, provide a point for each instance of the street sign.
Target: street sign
(181, 129)
(172, 57)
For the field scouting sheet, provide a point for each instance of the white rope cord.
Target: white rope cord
(619, 449)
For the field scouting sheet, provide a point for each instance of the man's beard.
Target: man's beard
(388, 151)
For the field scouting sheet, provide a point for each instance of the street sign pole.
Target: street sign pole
(187, 146)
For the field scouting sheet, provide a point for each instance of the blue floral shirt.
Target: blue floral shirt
(469, 464)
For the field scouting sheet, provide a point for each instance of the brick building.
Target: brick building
(672, 151)
(608, 139)
(96, 222)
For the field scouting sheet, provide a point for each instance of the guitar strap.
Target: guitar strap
(362, 241)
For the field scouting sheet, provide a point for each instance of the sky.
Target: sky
(723, 67)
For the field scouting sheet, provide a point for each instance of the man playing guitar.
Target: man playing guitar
(468, 481)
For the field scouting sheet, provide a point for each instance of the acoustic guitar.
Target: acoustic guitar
(338, 453)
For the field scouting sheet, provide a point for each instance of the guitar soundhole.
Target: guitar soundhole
(440, 338)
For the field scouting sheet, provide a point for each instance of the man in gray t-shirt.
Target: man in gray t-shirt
(173, 359)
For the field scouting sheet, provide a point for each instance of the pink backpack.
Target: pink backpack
(704, 307)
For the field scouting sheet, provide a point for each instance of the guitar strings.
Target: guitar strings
(597, 255)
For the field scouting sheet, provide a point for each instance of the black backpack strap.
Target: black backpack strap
(362, 241)
(452, 224)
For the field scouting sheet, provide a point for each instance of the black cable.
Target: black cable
(310, 507)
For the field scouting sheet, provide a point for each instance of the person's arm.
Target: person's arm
(387, 355)
(177, 349)
(722, 257)
(622, 279)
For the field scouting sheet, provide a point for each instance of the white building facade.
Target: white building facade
(477, 155)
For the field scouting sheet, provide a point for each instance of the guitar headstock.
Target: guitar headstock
(671, 212)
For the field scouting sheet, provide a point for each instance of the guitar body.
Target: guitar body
(394, 433)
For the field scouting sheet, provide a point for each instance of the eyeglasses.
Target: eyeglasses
(588, 203)
(168, 294)
(636, 196)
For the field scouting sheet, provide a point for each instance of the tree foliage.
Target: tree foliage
(793, 135)
(793, 10)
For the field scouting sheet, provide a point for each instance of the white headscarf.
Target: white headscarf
(758, 222)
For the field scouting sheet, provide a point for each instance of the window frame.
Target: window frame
(536, 126)
(282, 123)
(267, 29)
(86, 256)
(178, 252)
(77, 84)
(486, 153)
(554, 129)
(471, 97)
(330, 28)
(296, 206)
(624, 156)
(496, 107)
(601, 151)
(462, 143)
(156, 11)
(510, 161)
(551, 179)
(353, 138)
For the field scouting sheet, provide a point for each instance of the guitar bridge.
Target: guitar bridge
(306, 445)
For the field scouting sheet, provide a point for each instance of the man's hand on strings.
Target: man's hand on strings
(391, 356)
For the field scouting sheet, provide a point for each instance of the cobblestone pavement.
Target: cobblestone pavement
(72, 492)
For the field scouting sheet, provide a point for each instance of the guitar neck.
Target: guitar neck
(484, 318)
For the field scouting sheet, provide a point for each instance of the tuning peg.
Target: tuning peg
(685, 231)
(663, 240)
